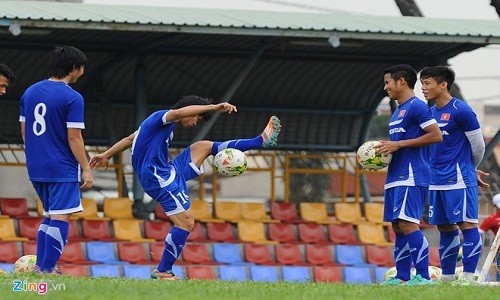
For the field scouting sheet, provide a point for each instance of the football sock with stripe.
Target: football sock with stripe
(55, 239)
(471, 249)
(40, 241)
(242, 144)
(449, 243)
(419, 250)
(402, 257)
(174, 243)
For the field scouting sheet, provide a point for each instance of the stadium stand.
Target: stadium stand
(380, 274)
(350, 255)
(259, 254)
(14, 207)
(202, 212)
(97, 230)
(8, 231)
(201, 272)
(379, 255)
(374, 212)
(7, 267)
(253, 231)
(221, 232)
(319, 255)
(156, 251)
(89, 212)
(328, 274)
(129, 230)
(197, 234)
(370, 233)
(316, 212)
(233, 273)
(28, 227)
(342, 234)
(285, 212)
(295, 273)
(264, 273)
(133, 252)
(348, 212)
(136, 271)
(105, 271)
(228, 254)
(9, 251)
(73, 254)
(282, 232)
(311, 233)
(29, 247)
(228, 211)
(198, 254)
(289, 254)
(255, 212)
(117, 208)
(156, 230)
(102, 252)
(74, 270)
(357, 275)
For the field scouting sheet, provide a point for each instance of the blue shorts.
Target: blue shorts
(453, 206)
(174, 198)
(59, 198)
(405, 203)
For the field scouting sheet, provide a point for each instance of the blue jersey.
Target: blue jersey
(150, 151)
(452, 163)
(409, 165)
(48, 109)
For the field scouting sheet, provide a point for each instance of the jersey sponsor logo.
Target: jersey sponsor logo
(402, 113)
(445, 117)
(396, 130)
(456, 212)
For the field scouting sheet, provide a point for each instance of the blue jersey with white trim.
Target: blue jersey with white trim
(452, 163)
(409, 165)
(150, 151)
(48, 109)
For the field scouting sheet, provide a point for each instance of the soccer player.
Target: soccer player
(164, 179)
(6, 77)
(411, 129)
(492, 222)
(52, 118)
(453, 194)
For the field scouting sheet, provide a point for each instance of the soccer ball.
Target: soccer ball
(459, 270)
(230, 162)
(392, 272)
(435, 272)
(369, 159)
(25, 263)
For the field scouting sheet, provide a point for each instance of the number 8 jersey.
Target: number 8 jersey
(48, 109)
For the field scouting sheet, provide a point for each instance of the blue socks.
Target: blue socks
(402, 257)
(40, 241)
(471, 249)
(174, 243)
(449, 244)
(242, 145)
(419, 250)
(55, 239)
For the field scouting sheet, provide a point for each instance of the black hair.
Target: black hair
(403, 71)
(194, 100)
(6, 72)
(65, 59)
(440, 74)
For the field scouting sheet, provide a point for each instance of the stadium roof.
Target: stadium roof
(320, 72)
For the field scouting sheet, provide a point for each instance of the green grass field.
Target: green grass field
(66, 287)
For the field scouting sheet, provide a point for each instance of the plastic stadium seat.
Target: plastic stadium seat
(9, 251)
(29, 247)
(221, 232)
(179, 271)
(8, 231)
(233, 273)
(374, 212)
(357, 275)
(370, 233)
(311, 233)
(73, 253)
(7, 267)
(157, 230)
(97, 230)
(253, 231)
(294, 273)
(136, 271)
(117, 208)
(348, 212)
(289, 254)
(259, 254)
(328, 274)
(350, 255)
(105, 271)
(74, 270)
(379, 255)
(74, 234)
(14, 207)
(102, 252)
(89, 212)
(391, 235)
(197, 254)
(28, 227)
(315, 212)
(201, 272)
(342, 234)
(133, 252)
(380, 274)
(264, 273)
(201, 212)
(156, 251)
(282, 232)
(228, 254)
(160, 213)
(228, 211)
(129, 230)
(285, 212)
(317, 254)
(256, 212)
(434, 257)
(197, 234)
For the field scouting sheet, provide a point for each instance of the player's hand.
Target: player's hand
(99, 161)
(387, 147)
(88, 180)
(226, 107)
(480, 181)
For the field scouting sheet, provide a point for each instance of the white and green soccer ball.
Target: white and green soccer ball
(230, 162)
(25, 263)
(369, 159)
(459, 270)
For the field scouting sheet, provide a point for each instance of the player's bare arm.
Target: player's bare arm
(480, 181)
(76, 144)
(194, 110)
(432, 135)
(102, 159)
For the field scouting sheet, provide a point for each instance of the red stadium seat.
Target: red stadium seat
(74, 270)
(379, 255)
(29, 247)
(259, 254)
(197, 254)
(28, 227)
(97, 230)
(221, 232)
(282, 232)
(285, 212)
(160, 213)
(9, 251)
(73, 253)
(311, 233)
(342, 234)
(156, 251)
(317, 254)
(157, 230)
(74, 234)
(328, 274)
(201, 272)
(289, 254)
(197, 234)
(133, 252)
(14, 207)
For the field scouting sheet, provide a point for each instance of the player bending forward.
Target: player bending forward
(164, 179)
